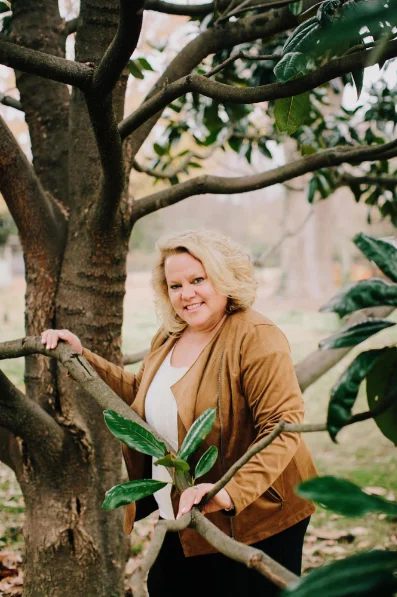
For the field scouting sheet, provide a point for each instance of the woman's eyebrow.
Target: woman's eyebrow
(191, 277)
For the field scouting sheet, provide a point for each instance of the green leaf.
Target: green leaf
(135, 70)
(171, 462)
(4, 7)
(380, 381)
(358, 78)
(296, 7)
(125, 493)
(344, 392)
(197, 433)
(355, 334)
(290, 66)
(133, 435)
(145, 65)
(312, 190)
(344, 497)
(366, 293)
(381, 252)
(295, 39)
(291, 112)
(362, 575)
(159, 149)
(308, 149)
(206, 462)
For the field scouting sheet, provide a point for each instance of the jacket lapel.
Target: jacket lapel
(152, 365)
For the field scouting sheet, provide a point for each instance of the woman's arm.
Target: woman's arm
(272, 392)
(123, 383)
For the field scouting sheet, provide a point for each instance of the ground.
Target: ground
(363, 455)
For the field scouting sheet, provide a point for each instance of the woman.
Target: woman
(214, 351)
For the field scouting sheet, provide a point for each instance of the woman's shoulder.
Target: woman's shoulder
(256, 327)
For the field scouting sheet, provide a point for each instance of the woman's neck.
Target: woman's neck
(206, 333)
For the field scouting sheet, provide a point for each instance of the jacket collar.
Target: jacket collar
(186, 389)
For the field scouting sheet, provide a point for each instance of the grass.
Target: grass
(362, 455)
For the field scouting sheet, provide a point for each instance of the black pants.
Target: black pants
(215, 575)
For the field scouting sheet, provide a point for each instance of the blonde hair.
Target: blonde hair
(228, 267)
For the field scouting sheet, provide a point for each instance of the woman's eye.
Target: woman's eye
(198, 280)
(174, 286)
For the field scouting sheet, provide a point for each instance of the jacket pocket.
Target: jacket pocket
(274, 496)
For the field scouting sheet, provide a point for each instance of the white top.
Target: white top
(161, 413)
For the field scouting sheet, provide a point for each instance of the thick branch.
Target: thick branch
(82, 372)
(251, 557)
(227, 186)
(27, 201)
(229, 94)
(319, 362)
(7, 439)
(27, 420)
(110, 153)
(45, 65)
(124, 43)
(11, 101)
(208, 42)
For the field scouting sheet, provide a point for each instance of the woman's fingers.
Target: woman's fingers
(51, 338)
(191, 497)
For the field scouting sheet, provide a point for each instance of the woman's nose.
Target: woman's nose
(188, 292)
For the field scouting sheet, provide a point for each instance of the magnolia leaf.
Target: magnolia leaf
(134, 435)
(384, 254)
(355, 333)
(296, 7)
(344, 392)
(172, 462)
(290, 66)
(358, 78)
(300, 33)
(291, 112)
(366, 293)
(145, 65)
(380, 381)
(125, 493)
(135, 70)
(197, 433)
(344, 497)
(365, 575)
(312, 189)
(206, 462)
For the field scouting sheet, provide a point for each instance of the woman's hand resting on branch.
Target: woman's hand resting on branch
(52, 337)
(193, 496)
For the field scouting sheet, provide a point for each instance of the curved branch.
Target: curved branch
(383, 180)
(124, 43)
(242, 55)
(130, 359)
(209, 42)
(251, 557)
(228, 186)
(227, 93)
(316, 364)
(27, 201)
(27, 420)
(188, 10)
(11, 101)
(45, 65)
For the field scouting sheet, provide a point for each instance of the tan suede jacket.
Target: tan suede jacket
(247, 375)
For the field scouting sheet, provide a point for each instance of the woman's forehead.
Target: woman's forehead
(182, 264)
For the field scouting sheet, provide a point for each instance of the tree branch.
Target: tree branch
(124, 43)
(209, 42)
(27, 420)
(251, 557)
(229, 94)
(241, 55)
(27, 201)
(319, 362)
(11, 101)
(227, 186)
(247, 6)
(188, 10)
(130, 359)
(45, 65)
(384, 181)
(7, 441)
(82, 372)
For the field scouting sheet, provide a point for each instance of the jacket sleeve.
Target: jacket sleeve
(271, 389)
(123, 383)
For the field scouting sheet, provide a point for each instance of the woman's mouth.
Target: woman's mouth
(193, 307)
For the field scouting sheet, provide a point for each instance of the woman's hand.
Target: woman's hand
(193, 496)
(52, 337)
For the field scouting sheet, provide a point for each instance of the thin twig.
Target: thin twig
(243, 8)
(241, 55)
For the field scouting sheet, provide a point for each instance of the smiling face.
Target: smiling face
(191, 292)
